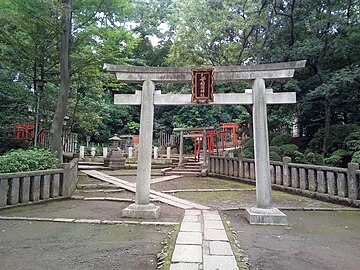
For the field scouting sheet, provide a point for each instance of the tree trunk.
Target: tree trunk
(56, 127)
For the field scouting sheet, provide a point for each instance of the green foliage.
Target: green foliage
(352, 141)
(313, 158)
(356, 157)
(248, 150)
(337, 158)
(275, 149)
(27, 160)
(299, 157)
(281, 140)
(336, 139)
(274, 156)
(288, 150)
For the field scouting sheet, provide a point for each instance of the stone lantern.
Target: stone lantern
(115, 159)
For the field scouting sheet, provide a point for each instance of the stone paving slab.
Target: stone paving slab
(212, 217)
(189, 238)
(184, 266)
(220, 248)
(192, 212)
(187, 253)
(213, 224)
(219, 263)
(190, 226)
(215, 235)
(188, 218)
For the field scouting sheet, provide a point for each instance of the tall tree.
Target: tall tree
(64, 53)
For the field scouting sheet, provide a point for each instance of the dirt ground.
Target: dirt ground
(44, 245)
(313, 240)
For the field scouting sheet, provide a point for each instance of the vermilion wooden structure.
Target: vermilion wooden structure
(26, 132)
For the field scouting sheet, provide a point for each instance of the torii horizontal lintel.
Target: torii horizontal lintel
(219, 99)
(135, 74)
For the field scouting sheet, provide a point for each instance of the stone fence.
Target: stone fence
(322, 182)
(31, 187)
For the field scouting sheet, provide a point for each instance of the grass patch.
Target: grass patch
(241, 257)
(210, 182)
(165, 255)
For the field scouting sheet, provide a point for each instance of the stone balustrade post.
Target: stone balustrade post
(286, 172)
(352, 182)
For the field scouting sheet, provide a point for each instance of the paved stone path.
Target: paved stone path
(165, 198)
(202, 243)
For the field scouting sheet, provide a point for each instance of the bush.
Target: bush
(336, 138)
(352, 141)
(337, 159)
(27, 160)
(288, 150)
(313, 158)
(356, 157)
(275, 149)
(299, 157)
(248, 150)
(281, 140)
(274, 156)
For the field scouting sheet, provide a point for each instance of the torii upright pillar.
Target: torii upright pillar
(259, 97)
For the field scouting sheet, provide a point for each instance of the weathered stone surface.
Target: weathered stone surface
(24, 189)
(35, 188)
(219, 263)
(187, 253)
(184, 266)
(141, 211)
(190, 226)
(14, 191)
(191, 219)
(189, 238)
(261, 216)
(3, 191)
(321, 181)
(215, 235)
(213, 224)
(341, 185)
(220, 248)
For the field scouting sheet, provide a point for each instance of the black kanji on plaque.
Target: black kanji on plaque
(202, 85)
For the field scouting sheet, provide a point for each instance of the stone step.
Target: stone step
(185, 173)
(192, 166)
(198, 169)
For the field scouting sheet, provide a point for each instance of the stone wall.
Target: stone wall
(340, 185)
(31, 187)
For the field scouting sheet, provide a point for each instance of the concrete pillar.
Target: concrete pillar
(156, 153)
(82, 152)
(264, 213)
(168, 152)
(261, 146)
(105, 152)
(131, 152)
(181, 150)
(142, 207)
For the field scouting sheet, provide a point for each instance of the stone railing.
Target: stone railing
(36, 186)
(329, 183)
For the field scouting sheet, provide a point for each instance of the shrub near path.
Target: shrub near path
(27, 160)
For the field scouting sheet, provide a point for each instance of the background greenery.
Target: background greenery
(326, 33)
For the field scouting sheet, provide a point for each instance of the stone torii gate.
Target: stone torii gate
(259, 97)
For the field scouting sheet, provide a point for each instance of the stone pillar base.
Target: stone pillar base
(260, 216)
(141, 211)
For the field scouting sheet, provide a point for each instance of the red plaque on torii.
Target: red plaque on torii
(202, 85)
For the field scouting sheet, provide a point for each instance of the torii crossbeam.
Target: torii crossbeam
(258, 96)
